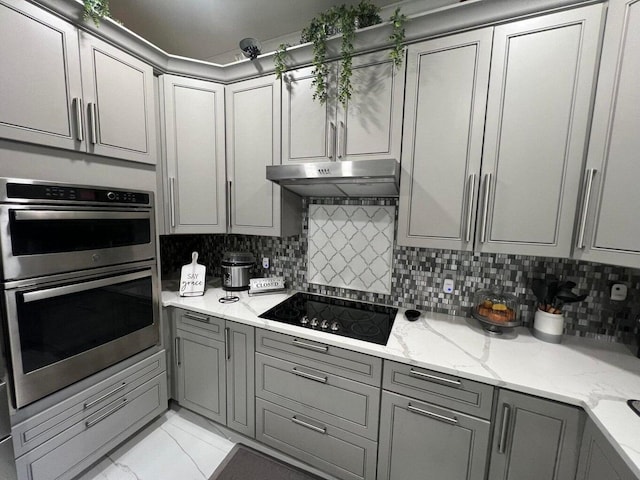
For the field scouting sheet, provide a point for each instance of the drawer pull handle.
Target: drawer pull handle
(190, 316)
(435, 416)
(227, 342)
(435, 378)
(310, 346)
(504, 429)
(310, 376)
(322, 430)
(105, 396)
(110, 412)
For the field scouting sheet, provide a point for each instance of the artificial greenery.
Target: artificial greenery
(343, 20)
(553, 293)
(96, 10)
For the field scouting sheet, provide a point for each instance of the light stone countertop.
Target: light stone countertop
(597, 376)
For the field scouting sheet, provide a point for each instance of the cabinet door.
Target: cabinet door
(118, 92)
(201, 375)
(447, 81)
(241, 398)
(534, 439)
(195, 149)
(370, 126)
(40, 86)
(598, 460)
(542, 73)
(308, 127)
(613, 231)
(419, 441)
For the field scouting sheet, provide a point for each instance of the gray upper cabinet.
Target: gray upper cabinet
(195, 155)
(370, 126)
(442, 140)
(534, 439)
(256, 205)
(598, 459)
(609, 226)
(67, 89)
(542, 74)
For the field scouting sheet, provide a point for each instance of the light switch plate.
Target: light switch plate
(618, 292)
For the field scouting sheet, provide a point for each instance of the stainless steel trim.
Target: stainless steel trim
(310, 346)
(342, 139)
(229, 195)
(310, 376)
(435, 416)
(172, 201)
(332, 141)
(29, 297)
(322, 430)
(91, 423)
(585, 206)
(77, 106)
(227, 342)
(197, 318)
(485, 206)
(105, 396)
(176, 352)
(435, 378)
(471, 190)
(504, 428)
(93, 123)
(31, 215)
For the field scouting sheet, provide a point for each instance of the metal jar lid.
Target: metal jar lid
(238, 259)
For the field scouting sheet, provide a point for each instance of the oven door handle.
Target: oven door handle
(25, 215)
(37, 295)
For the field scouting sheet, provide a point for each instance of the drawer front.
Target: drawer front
(338, 361)
(78, 447)
(332, 450)
(438, 388)
(334, 400)
(200, 324)
(46, 425)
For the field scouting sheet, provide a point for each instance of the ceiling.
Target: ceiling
(211, 29)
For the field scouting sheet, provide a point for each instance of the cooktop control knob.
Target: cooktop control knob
(314, 322)
(324, 324)
(111, 196)
(304, 320)
(335, 326)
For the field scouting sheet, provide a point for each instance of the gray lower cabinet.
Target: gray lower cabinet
(420, 441)
(60, 442)
(534, 439)
(215, 369)
(598, 459)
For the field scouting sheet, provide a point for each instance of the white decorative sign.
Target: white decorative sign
(192, 278)
(351, 246)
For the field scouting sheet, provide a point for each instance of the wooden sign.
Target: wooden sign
(192, 278)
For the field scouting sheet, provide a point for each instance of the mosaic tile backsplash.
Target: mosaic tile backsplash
(418, 275)
(351, 246)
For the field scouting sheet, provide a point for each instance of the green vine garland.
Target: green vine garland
(397, 37)
(96, 10)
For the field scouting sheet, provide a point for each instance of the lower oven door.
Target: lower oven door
(62, 331)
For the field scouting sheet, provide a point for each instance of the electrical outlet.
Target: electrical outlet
(618, 292)
(447, 287)
(265, 262)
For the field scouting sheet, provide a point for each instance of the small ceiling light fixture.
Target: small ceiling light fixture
(250, 47)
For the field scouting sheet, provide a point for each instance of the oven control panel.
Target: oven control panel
(34, 191)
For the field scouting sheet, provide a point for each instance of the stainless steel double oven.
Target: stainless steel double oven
(79, 282)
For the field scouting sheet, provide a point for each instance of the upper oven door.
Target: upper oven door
(39, 241)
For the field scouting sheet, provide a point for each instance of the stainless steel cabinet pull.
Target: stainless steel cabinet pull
(229, 209)
(310, 376)
(504, 429)
(332, 140)
(471, 192)
(591, 173)
(485, 206)
(176, 353)
(172, 201)
(435, 416)
(91, 423)
(322, 430)
(77, 106)
(435, 378)
(48, 215)
(197, 318)
(105, 396)
(342, 139)
(93, 123)
(310, 346)
(227, 342)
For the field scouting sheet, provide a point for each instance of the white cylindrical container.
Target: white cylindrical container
(548, 327)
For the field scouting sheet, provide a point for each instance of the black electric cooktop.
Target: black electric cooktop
(359, 320)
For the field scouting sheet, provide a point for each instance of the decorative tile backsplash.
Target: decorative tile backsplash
(418, 274)
(351, 246)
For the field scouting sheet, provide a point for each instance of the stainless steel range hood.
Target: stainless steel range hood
(364, 178)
